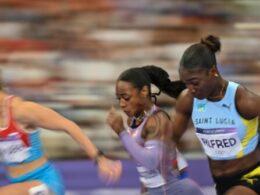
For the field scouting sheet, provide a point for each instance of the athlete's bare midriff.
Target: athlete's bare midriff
(221, 168)
(19, 170)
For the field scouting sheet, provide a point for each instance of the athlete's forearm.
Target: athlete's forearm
(148, 156)
(77, 134)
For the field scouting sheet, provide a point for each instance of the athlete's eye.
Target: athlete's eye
(195, 83)
(124, 97)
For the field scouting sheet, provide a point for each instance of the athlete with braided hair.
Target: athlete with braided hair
(145, 138)
(226, 117)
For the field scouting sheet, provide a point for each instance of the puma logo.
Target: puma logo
(226, 106)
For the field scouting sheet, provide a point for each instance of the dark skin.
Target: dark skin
(203, 83)
(133, 102)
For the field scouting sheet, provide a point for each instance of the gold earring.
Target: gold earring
(216, 74)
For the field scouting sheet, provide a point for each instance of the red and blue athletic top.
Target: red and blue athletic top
(18, 146)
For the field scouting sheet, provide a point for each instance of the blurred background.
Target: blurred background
(66, 54)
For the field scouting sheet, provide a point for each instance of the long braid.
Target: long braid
(160, 78)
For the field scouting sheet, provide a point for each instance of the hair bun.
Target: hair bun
(211, 42)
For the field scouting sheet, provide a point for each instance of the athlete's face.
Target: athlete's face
(199, 81)
(130, 98)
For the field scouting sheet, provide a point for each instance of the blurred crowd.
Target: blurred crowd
(67, 54)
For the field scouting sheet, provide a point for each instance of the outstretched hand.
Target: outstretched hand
(109, 170)
(115, 121)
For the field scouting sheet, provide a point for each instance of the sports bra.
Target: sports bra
(18, 146)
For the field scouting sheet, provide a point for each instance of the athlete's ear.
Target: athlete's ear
(145, 91)
(214, 72)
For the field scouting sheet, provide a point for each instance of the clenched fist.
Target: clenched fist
(115, 120)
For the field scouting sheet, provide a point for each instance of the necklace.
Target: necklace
(221, 93)
(136, 120)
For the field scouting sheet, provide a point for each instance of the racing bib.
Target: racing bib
(150, 178)
(13, 151)
(219, 143)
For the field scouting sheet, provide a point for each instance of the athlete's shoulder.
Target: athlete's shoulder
(21, 106)
(185, 100)
(186, 94)
(247, 102)
(18, 103)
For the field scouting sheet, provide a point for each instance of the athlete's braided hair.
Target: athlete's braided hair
(147, 75)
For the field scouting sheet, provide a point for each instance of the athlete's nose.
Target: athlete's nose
(122, 103)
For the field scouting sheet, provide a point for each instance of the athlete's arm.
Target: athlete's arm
(36, 115)
(155, 127)
(147, 155)
(181, 115)
(247, 103)
(33, 114)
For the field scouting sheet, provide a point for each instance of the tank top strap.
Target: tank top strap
(231, 91)
(8, 117)
(9, 112)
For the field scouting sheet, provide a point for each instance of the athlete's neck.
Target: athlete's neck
(219, 91)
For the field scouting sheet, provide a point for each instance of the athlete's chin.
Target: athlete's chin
(128, 113)
(199, 96)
